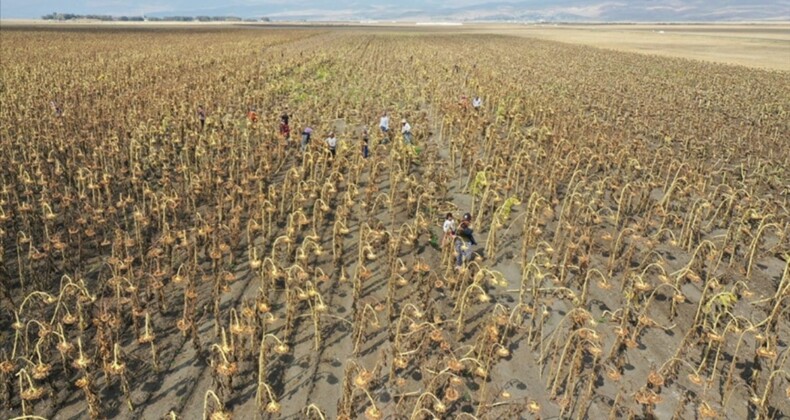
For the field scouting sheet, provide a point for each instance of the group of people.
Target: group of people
(331, 141)
(384, 126)
(477, 103)
(462, 237)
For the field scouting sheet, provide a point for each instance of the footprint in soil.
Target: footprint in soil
(332, 379)
(628, 367)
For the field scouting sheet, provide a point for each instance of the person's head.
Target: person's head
(467, 217)
(403, 121)
(331, 134)
(449, 216)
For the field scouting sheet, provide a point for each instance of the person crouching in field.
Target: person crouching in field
(306, 137)
(464, 241)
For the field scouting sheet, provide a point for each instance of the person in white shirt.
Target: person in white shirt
(384, 123)
(384, 126)
(406, 131)
(331, 142)
(477, 103)
(448, 228)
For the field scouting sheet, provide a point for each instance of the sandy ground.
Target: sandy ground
(760, 46)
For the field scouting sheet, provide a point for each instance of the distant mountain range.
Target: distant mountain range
(424, 10)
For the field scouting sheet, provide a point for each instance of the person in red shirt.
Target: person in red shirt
(252, 115)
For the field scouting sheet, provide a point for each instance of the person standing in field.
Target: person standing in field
(306, 137)
(201, 113)
(477, 103)
(406, 131)
(365, 143)
(56, 108)
(331, 143)
(464, 241)
(384, 126)
(285, 129)
(284, 118)
(448, 228)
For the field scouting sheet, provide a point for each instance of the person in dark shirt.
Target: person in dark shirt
(365, 144)
(284, 118)
(464, 240)
(306, 137)
(201, 113)
(285, 129)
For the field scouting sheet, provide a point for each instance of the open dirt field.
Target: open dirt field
(756, 45)
(171, 250)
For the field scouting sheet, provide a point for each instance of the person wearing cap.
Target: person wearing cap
(306, 137)
(464, 240)
(406, 131)
(331, 142)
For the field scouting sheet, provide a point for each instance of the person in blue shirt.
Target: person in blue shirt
(464, 240)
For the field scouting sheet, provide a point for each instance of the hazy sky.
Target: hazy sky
(402, 9)
(37, 8)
